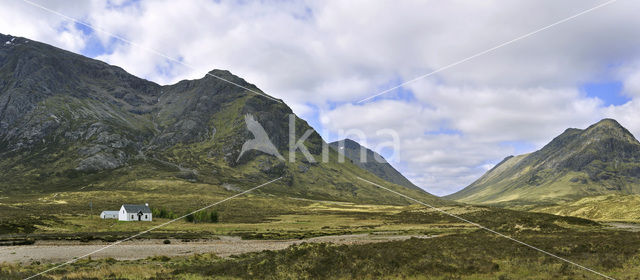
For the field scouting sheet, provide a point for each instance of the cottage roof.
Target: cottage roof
(108, 212)
(133, 208)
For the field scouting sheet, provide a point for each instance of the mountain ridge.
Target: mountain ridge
(69, 122)
(373, 162)
(603, 158)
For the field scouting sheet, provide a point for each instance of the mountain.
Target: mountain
(602, 159)
(372, 162)
(71, 123)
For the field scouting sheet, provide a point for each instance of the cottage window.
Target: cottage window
(131, 216)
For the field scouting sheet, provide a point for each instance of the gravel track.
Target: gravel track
(61, 251)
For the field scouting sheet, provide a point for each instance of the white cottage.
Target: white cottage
(131, 212)
(109, 215)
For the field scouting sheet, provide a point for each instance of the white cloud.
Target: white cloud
(20, 19)
(476, 121)
(319, 56)
(629, 74)
(632, 84)
(626, 115)
(508, 114)
(406, 118)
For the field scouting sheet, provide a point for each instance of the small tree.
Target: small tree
(213, 216)
(190, 218)
(203, 217)
(162, 213)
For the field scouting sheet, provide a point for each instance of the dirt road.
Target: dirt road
(139, 249)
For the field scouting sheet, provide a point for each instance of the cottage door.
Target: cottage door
(140, 216)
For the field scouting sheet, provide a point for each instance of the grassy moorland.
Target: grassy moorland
(461, 254)
(611, 207)
(459, 251)
(252, 217)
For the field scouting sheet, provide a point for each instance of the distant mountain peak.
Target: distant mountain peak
(232, 80)
(609, 125)
(225, 74)
(373, 163)
(221, 72)
(607, 122)
(217, 74)
(603, 158)
(609, 128)
(350, 144)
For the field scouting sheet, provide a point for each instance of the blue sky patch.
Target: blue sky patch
(444, 131)
(609, 92)
(400, 93)
(519, 147)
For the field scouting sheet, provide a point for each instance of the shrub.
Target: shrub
(163, 213)
(213, 217)
(203, 217)
(190, 218)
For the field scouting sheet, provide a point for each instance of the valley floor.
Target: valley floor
(310, 239)
(473, 255)
(225, 246)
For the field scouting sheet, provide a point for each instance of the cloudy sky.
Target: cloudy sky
(322, 57)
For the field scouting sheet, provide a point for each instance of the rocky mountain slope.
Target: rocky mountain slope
(68, 122)
(602, 159)
(372, 162)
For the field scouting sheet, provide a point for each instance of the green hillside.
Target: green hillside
(610, 207)
(602, 159)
